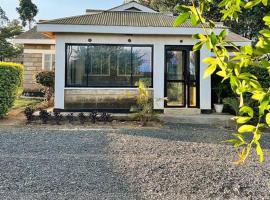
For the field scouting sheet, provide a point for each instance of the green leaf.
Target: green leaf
(251, 4)
(198, 46)
(247, 110)
(209, 71)
(242, 120)
(265, 2)
(246, 129)
(247, 49)
(213, 38)
(267, 119)
(223, 34)
(194, 20)
(263, 105)
(267, 20)
(181, 19)
(259, 151)
(265, 33)
(222, 73)
(258, 96)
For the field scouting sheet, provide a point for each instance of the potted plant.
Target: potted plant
(218, 90)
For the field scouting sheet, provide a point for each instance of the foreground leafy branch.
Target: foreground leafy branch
(233, 68)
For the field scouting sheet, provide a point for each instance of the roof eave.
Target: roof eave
(34, 41)
(64, 28)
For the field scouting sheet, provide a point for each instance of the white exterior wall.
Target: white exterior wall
(205, 83)
(158, 42)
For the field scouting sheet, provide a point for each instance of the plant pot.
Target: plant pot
(218, 108)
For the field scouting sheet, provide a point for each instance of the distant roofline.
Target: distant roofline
(132, 2)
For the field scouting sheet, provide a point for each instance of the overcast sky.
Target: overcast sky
(51, 9)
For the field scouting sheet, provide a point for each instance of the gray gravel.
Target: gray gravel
(187, 162)
(174, 162)
(57, 164)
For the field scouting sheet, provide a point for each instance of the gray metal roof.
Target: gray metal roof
(122, 18)
(32, 34)
(233, 37)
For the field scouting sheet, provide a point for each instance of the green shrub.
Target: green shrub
(11, 79)
(233, 104)
(46, 79)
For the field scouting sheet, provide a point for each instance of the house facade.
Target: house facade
(38, 55)
(101, 56)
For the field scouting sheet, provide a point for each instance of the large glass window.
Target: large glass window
(108, 65)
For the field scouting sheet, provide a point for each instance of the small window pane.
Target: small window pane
(175, 94)
(53, 61)
(175, 67)
(47, 62)
(192, 65)
(192, 95)
(142, 64)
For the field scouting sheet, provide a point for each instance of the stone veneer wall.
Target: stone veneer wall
(32, 65)
(100, 98)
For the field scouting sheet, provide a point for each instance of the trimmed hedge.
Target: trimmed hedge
(11, 80)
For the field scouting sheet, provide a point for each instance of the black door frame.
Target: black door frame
(186, 81)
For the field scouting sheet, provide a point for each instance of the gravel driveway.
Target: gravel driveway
(174, 162)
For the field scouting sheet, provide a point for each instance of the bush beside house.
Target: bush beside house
(11, 79)
(46, 79)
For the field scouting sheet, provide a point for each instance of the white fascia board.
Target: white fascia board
(49, 51)
(60, 28)
(240, 44)
(34, 41)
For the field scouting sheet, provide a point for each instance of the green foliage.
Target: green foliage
(46, 79)
(7, 32)
(145, 104)
(3, 17)
(11, 78)
(233, 103)
(27, 11)
(237, 69)
(219, 89)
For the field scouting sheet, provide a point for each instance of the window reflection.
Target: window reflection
(192, 65)
(108, 65)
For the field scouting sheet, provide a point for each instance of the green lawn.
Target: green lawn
(22, 103)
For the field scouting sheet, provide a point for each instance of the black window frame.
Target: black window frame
(132, 85)
(187, 81)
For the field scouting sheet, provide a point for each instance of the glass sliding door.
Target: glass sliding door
(181, 77)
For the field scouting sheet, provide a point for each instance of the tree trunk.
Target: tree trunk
(29, 24)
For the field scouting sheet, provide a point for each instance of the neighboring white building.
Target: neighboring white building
(101, 55)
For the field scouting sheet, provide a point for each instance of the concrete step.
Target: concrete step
(182, 111)
(217, 120)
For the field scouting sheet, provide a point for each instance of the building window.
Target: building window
(48, 62)
(108, 65)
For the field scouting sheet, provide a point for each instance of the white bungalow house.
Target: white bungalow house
(100, 56)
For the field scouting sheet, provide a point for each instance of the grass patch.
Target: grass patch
(23, 103)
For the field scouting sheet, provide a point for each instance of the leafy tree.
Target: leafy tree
(164, 5)
(27, 11)
(3, 17)
(248, 25)
(243, 83)
(8, 30)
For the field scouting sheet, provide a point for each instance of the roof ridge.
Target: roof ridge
(133, 1)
